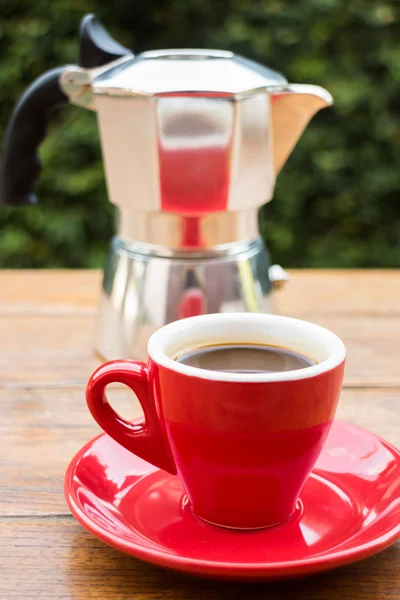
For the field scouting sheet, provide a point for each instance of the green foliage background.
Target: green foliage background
(337, 199)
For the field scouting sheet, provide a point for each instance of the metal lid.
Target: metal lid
(205, 72)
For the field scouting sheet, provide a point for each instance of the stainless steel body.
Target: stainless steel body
(192, 142)
(191, 132)
(143, 290)
(197, 159)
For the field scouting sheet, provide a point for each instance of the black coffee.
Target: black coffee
(245, 358)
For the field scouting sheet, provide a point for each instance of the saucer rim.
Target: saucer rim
(321, 562)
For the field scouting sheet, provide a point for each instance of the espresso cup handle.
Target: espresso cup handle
(144, 438)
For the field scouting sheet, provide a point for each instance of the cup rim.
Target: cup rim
(160, 339)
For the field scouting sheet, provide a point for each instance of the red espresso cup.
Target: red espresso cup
(242, 444)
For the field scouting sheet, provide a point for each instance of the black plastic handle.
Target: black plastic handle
(21, 166)
(26, 129)
(96, 46)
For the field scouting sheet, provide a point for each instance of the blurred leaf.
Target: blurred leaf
(336, 201)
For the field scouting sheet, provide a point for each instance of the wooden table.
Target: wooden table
(47, 323)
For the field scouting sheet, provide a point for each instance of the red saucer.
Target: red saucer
(349, 509)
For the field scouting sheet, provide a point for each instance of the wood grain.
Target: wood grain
(49, 291)
(59, 349)
(339, 292)
(41, 430)
(47, 335)
(42, 350)
(317, 290)
(56, 558)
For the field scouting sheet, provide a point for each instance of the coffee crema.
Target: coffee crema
(245, 358)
